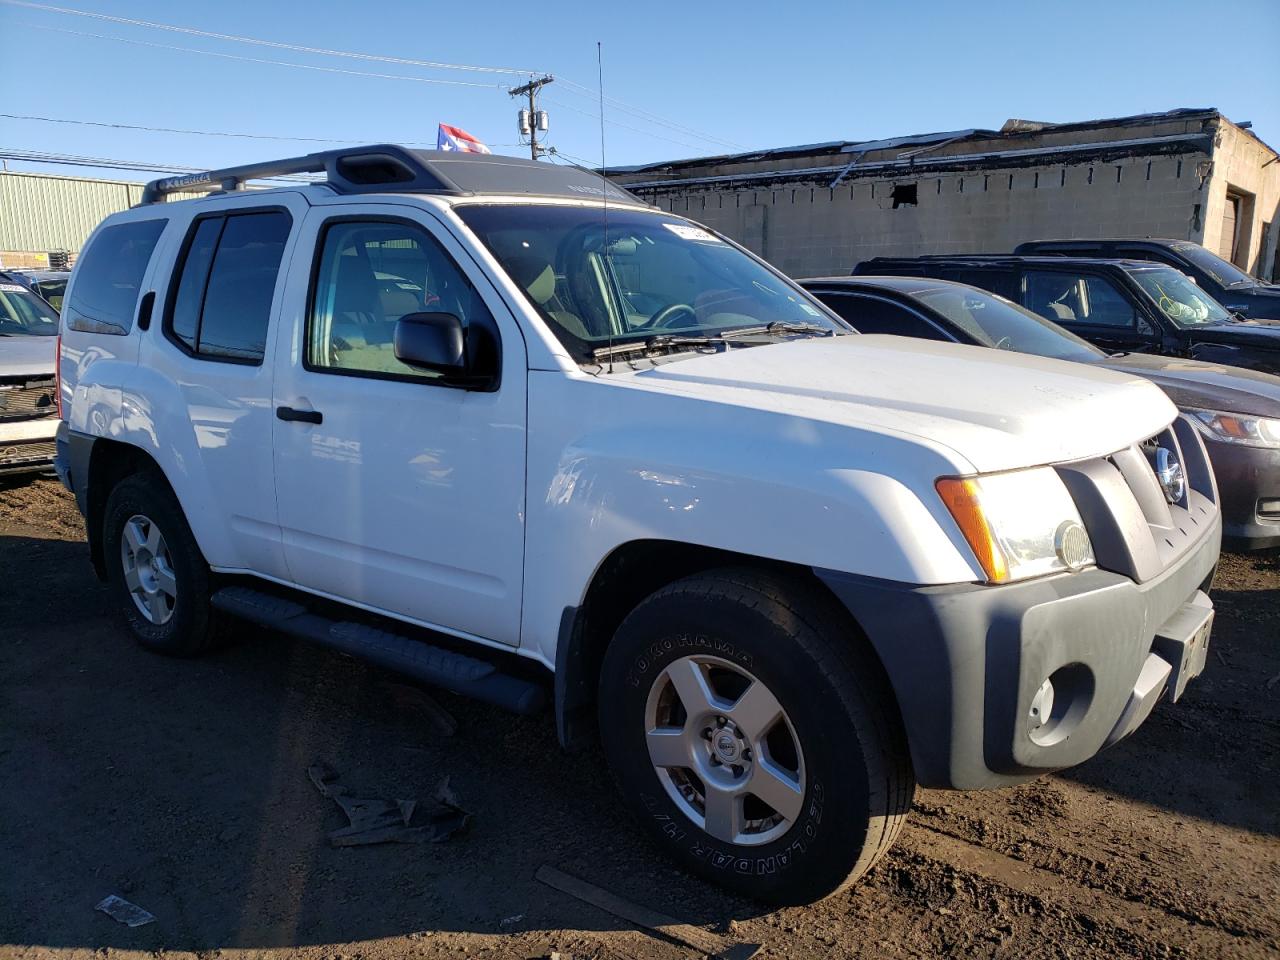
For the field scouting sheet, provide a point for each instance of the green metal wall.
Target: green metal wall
(41, 212)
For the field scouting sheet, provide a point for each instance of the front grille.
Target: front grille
(1134, 527)
(26, 453)
(27, 399)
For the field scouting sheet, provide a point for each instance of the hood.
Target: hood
(1206, 386)
(1262, 302)
(33, 357)
(997, 410)
(1247, 333)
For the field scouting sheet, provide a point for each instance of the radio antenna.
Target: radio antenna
(604, 191)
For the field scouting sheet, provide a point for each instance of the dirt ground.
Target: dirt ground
(182, 787)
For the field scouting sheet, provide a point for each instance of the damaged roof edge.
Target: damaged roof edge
(919, 139)
(1035, 156)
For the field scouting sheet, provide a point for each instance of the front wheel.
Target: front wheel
(755, 737)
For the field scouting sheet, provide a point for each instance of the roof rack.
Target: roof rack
(386, 167)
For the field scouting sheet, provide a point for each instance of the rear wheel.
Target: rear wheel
(155, 568)
(755, 737)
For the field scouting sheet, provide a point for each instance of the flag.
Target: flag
(455, 138)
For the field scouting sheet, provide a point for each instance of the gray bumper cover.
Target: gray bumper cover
(966, 661)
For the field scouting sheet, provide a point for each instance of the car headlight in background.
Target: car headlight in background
(1022, 524)
(1238, 427)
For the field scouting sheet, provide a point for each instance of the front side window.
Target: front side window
(109, 276)
(995, 322)
(221, 306)
(622, 276)
(370, 274)
(1066, 297)
(22, 314)
(1178, 298)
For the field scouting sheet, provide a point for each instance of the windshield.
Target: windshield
(23, 314)
(53, 291)
(658, 276)
(1227, 274)
(1179, 298)
(996, 322)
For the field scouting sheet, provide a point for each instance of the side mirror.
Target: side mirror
(432, 341)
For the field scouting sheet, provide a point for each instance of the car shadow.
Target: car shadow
(181, 786)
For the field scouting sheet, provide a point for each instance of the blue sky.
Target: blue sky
(692, 78)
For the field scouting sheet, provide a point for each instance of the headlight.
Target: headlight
(1238, 428)
(1020, 525)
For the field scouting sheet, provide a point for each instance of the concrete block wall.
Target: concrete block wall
(816, 229)
(1246, 165)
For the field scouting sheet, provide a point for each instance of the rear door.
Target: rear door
(212, 359)
(1090, 305)
(398, 493)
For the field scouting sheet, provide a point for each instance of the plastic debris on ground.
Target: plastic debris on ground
(121, 910)
(379, 820)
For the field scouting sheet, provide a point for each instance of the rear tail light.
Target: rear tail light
(57, 374)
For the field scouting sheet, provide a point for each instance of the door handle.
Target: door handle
(299, 416)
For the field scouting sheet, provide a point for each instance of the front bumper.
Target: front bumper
(27, 445)
(967, 661)
(1247, 476)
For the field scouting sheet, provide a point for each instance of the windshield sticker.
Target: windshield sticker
(688, 232)
(12, 288)
(808, 309)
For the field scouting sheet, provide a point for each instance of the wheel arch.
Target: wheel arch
(628, 574)
(109, 462)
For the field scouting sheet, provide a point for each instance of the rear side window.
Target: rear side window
(109, 275)
(872, 315)
(221, 303)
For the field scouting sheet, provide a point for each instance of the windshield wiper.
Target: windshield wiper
(662, 341)
(782, 328)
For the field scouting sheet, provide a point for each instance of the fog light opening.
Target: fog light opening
(1060, 704)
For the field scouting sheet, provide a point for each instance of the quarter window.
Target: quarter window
(227, 280)
(370, 274)
(105, 293)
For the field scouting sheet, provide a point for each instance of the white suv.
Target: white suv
(532, 435)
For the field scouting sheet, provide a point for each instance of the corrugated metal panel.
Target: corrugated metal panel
(39, 212)
(56, 213)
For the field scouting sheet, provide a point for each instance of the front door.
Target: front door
(1091, 306)
(396, 492)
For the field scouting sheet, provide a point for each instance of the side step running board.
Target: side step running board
(468, 676)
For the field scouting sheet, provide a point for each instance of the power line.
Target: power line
(204, 133)
(587, 92)
(139, 166)
(174, 28)
(573, 87)
(618, 123)
(278, 63)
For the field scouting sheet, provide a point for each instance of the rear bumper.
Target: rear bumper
(1246, 476)
(967, 662)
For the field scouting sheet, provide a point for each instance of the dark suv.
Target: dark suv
(1130, 306)
(1225, 282)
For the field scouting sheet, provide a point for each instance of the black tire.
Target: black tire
(192, 626)
(857, 783)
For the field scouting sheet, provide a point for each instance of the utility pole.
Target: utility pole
(532, 120)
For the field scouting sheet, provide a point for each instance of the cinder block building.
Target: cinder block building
(819, 209)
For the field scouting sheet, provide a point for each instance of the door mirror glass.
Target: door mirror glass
(431, 341)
